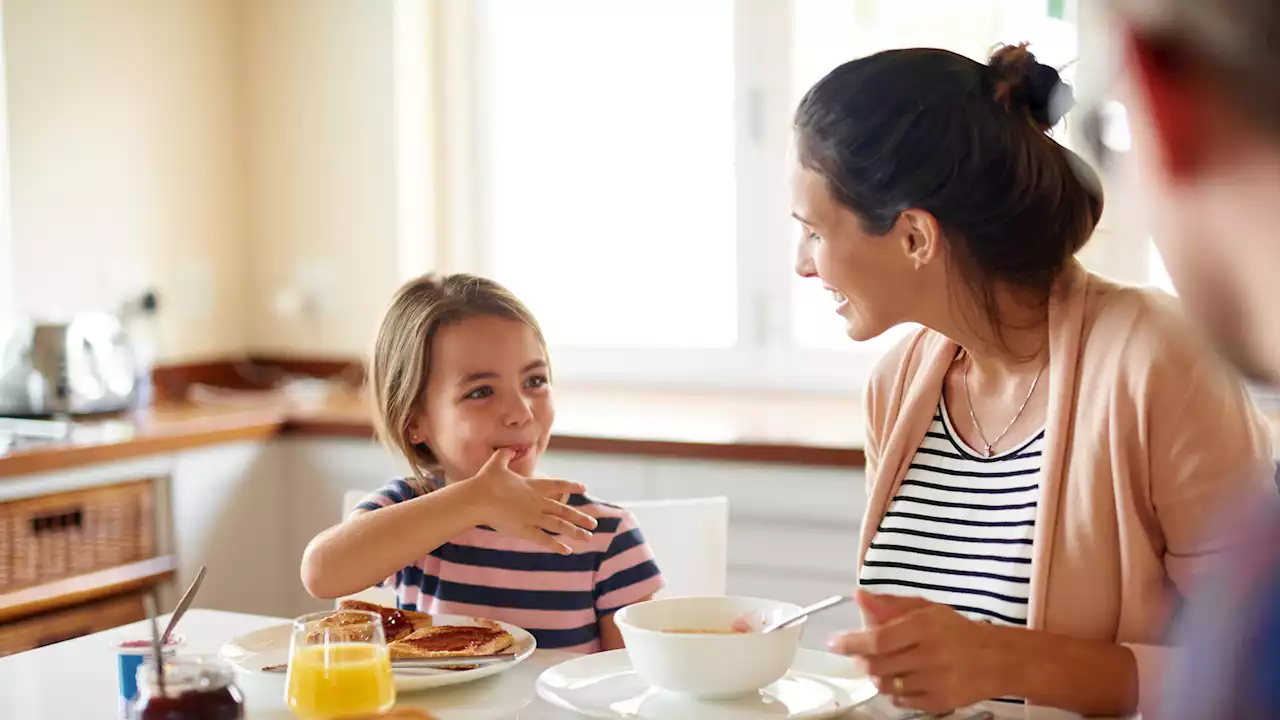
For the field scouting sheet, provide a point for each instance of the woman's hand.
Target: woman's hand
(524, 508)
(925, 655)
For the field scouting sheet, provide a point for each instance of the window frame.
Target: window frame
(765, 357)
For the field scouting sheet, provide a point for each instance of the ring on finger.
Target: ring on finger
(899, 687)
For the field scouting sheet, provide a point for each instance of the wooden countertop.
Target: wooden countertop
(783, 428)
(762, 427)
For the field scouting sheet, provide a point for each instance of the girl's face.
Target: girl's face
(488, 388)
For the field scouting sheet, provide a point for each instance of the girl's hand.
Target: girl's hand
(925, 655)
(524, 508)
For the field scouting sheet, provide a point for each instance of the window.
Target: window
(611, 182)
(1157, 275)
(626, 165)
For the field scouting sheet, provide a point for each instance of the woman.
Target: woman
(1040, 455)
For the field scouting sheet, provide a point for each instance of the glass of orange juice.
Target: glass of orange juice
(338, 671)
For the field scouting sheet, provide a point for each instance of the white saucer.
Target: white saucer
(605, 685)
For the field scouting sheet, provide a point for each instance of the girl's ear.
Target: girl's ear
(418, 431)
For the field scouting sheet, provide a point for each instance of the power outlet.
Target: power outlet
(311, 292)
(193, 291)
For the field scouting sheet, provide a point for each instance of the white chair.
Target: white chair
(689, 538)
(380, 595)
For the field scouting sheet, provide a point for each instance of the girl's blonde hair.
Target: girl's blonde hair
(402, 351)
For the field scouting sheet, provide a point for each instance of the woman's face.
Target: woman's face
(873, 279)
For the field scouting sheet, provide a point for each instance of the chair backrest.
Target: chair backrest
(689, 538)
(381, 595)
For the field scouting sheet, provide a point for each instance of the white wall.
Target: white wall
(228, 151)
(126, 167)
(6, 248)
(322, 215)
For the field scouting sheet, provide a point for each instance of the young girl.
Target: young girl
(462, 386)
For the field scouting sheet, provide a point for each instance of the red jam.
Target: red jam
(195, 688)
(221, 704)
(392, 621)
(173, 640)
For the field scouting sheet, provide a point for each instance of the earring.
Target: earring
(919, 264)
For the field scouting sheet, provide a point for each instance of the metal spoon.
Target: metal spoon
(183, 604)
(819, 606)
(157, 644)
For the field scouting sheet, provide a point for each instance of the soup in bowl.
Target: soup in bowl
(700, 645)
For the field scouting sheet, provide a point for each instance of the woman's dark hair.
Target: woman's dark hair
(965, 142)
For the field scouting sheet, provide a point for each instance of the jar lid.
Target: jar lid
(187, 673)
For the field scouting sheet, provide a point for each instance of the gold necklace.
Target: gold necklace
(986, 446)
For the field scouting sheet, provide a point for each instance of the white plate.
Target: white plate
(605, 685)
(253, 651)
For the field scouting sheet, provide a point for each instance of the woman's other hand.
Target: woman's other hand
(925, 655)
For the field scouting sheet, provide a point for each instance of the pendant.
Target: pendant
(987, 450)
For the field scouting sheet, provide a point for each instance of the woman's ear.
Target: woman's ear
(921, 237)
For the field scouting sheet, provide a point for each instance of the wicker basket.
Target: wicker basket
(55, 536)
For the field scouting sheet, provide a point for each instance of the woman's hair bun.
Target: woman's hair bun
(1022, 82)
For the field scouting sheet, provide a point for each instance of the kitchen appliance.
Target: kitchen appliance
(81, 366)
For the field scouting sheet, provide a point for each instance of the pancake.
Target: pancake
(396, 624)
(452, 641)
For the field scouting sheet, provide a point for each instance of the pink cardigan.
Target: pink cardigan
(1147, 434)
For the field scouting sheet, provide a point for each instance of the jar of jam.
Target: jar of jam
(198, 687)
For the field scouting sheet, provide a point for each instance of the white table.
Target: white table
(77, 678)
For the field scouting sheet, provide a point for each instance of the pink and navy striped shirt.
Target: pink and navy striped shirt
(558, 598)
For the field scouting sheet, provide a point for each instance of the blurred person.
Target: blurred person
(1202, 92)
(1040, 456)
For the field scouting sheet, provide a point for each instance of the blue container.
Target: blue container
(128, 660)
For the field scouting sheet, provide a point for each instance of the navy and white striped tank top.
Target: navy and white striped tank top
(960, 529)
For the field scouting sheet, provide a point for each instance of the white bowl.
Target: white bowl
(713, 664)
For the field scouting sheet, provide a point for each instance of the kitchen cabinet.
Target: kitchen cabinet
(316, 473)
(228, 505)
(608, 477)
(219, 506)
(80, 549)
(48, 628)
